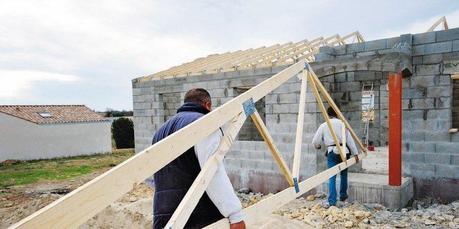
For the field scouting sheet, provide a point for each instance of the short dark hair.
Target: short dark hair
(197, 95)
(331, 112)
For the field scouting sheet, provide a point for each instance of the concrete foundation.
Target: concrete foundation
(374, 188)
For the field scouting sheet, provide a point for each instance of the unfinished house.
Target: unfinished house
(356, 75)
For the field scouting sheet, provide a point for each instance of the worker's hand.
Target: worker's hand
(356, 159)
(238, 225)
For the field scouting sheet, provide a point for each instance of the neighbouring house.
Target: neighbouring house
(30, 132)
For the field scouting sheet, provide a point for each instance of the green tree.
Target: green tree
(123, 133)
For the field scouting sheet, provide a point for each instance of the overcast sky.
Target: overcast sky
(87, 52)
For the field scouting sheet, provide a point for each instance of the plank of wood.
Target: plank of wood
(260, 210)
(83, 203)
(455, 77)
(299, 127)
(338, 112)
(194, 193)
(272, 147)
(325, 115)
(343, 136)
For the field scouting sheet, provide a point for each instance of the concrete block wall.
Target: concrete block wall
(429, 152)
(249, 163)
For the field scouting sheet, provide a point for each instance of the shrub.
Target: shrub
(123, 133)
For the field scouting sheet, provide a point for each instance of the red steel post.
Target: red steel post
(395, 129)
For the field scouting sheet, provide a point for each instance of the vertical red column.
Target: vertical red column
(395, 129)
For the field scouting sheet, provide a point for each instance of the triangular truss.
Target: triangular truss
(83, 203)
(275, 55)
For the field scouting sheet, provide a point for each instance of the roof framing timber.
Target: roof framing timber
(275, 55)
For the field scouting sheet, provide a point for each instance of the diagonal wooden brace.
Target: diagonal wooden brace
(270, 143)
(325, 115)
(336, 109)
(192, 197)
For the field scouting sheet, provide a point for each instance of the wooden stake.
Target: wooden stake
(325, 115)
(299, 127)
(269, 141)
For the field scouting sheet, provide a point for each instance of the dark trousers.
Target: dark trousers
(332, 160)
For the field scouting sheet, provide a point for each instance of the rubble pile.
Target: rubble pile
(311, 211)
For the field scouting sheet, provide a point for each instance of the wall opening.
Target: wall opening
(249, 131)
(455, 105)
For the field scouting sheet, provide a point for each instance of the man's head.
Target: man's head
(199, 96)
(331, 113)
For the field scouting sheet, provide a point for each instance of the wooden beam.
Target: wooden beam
(194, 193)
(325, 115)
(83, 203)
(299, 127)
(257, 212)
(442, 20)
(338, 112)
(455, 77)
(270, 142)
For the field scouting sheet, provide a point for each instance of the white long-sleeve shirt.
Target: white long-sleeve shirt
(220, 189)
(323, 135)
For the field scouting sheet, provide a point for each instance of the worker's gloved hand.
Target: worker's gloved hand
(356, 158)
(238, 225)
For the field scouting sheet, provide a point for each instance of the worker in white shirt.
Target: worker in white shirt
(323, 136)
(173, 181)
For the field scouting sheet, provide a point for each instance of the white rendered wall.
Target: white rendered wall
(24, 140)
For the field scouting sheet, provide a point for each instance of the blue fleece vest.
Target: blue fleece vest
(173, 181)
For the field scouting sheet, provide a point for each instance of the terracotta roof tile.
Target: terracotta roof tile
(47, 114)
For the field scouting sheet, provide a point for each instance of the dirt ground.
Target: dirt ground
(134, 210)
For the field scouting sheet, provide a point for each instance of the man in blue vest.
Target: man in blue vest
(173, 181)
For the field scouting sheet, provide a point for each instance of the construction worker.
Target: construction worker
(173, 181)
(323, 136)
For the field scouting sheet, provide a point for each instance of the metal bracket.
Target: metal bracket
(306, 66)
(249, 107)
(295, 184)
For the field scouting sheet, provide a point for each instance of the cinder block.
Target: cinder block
(424, 38)
(440, 91)
(417, 60)
(430, 69)
(375, 45)
(422, 147)
(455, 159)
(413, 157)
(356, 47)
(455, 45)
(447, 171)
(432, 48)
(422, 103)
(438, 158)
(447, 147)
(421, 170)
(447, 35)
(443, 102)
(288, 98)
(432, 59)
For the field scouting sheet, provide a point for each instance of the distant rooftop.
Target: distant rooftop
(50, 114)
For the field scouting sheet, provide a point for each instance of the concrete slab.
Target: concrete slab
(374, 188)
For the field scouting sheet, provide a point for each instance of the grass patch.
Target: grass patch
(27, 172)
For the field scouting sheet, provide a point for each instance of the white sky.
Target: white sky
(87, 52)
